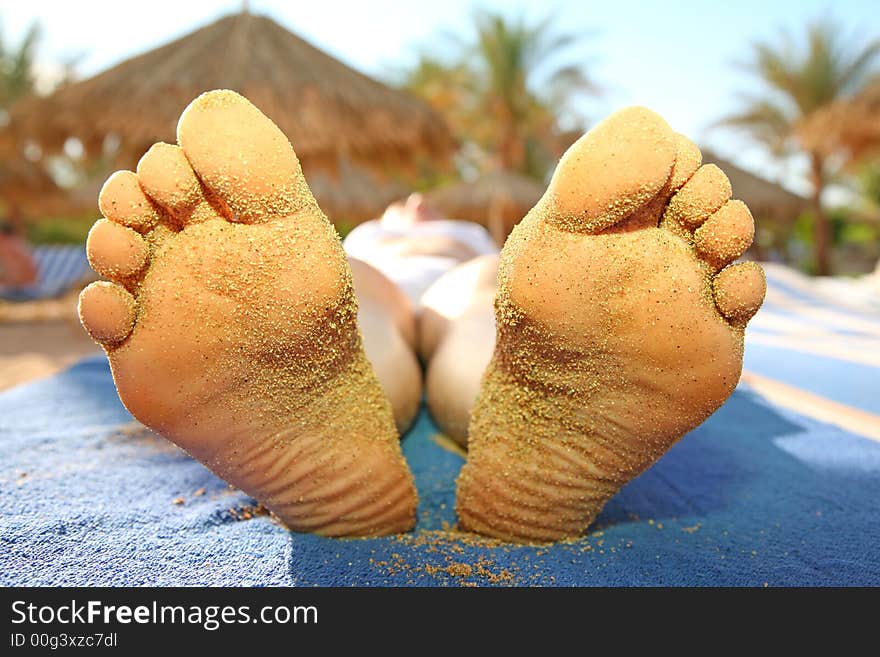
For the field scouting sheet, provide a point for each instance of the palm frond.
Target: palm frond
(17, 67)
(858, 72)
(520, 76)
(800, 77)
(765, 120)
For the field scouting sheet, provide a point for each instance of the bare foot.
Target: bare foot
(231, 324)
(619, 329)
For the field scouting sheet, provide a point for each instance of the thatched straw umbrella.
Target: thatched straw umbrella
(330, 112)
(22, 181)
(27, 190)
(497, 200)
(353, 193)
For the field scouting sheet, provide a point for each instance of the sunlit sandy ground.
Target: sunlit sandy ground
(40, 338)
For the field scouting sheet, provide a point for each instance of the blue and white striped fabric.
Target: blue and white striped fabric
(58, 269)
(815, 347)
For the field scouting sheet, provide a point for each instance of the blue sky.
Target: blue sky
(676, 57)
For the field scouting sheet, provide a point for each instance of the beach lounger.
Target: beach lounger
(59, 268)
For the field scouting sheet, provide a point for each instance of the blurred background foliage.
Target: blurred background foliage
(506, 89)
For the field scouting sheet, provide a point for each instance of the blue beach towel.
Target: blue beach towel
(758, 496)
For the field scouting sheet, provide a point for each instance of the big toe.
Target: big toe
(243, 157)
(611, 172)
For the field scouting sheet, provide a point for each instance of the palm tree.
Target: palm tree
(17, 67)
(870, 184)
(504, 87)
(510, 54)
(797, 80)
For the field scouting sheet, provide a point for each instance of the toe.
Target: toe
(687, 161)
(242, 157)
(706, 191)
(739, 291)
(166, 175)
(611, 172)
(116, 252)
(123, 201)
(725, 235)
(107, 312)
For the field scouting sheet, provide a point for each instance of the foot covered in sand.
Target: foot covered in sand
(619, 329)
(230, 324)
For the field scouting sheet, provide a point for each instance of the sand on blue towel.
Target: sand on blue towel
(755, 496)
